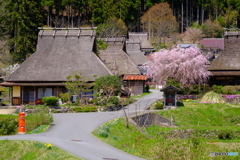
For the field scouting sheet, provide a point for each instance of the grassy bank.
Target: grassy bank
(199, 114)
(154, 145)
(29, 150)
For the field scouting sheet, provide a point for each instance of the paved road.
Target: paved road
(72, 132)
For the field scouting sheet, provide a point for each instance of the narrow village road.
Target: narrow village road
(72, 132)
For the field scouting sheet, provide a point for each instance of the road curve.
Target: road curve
(72, 132)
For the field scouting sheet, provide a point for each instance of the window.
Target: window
(48, 92)
(44, 92)
(40, 93)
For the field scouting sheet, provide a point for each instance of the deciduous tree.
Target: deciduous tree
(112, 28)
(159, 21)
(212, 29)
(187, 66)
(77, 84)
(109, 84)
(193, 34)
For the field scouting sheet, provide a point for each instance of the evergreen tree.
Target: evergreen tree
(21, 19)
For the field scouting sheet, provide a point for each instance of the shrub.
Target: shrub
(101, 45)
(41, 116)
(225, 134)
(158, 105)
(212, 97)
(229, 89)
(113, 100)
(95, 101)
(147, 88)
(180, 104)
(103, 131)
(65, 96)
(50, 101)
(217, 89)
(126, 101)
(85, 109)
(8, 124)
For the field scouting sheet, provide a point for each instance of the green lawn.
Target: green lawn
(201, 117)
(199, 114)
(32, 150)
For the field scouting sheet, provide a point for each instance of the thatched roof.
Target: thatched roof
(229, 59)
(60, 54)
(143, 38)
(33, 84)
(133, 48)
(116, 59)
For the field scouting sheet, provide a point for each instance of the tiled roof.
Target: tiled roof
(134, 77)
(171, 88)
(213, 43)
(187, 45)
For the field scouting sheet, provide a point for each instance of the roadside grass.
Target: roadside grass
(198, 114)
(154, 145)
(142, 95)
(29, 150)
(40, 129)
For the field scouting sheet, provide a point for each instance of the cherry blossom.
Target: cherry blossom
(186, 65)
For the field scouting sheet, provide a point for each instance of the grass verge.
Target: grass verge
(29, 150)
(40, 129)
(140, 96)
(154, 145)
(198, 114)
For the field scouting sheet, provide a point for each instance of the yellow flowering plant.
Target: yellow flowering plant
(48, 145)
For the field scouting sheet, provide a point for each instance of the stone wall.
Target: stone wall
(149, 119)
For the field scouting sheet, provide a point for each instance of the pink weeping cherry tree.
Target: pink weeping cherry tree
(188, 66)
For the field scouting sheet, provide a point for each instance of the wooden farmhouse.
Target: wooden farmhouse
(226, 67)
(142, 39)
(62, 52)
(122, 60)
(59, 54)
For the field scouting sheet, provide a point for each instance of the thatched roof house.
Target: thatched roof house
(133, 49)
(59, 54)
(62, 52)
(123, 59)
(116, 59)
(142, 37)
(226, 67)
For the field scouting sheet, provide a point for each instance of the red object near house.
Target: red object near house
(169, 100)
(39, 102)
(21, 124)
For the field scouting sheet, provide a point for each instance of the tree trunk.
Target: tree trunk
(149, 26)
(182, 19)
(48, 18)
(197, 13)
(71, 10)
(202, 13)
(186, 13)
(68, 16)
